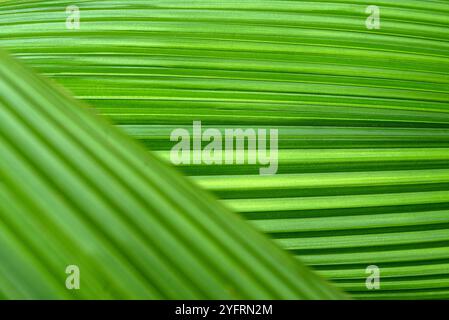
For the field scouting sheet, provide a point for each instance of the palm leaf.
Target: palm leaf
(75, 191)
(363, 115)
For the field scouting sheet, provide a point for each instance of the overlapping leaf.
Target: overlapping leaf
(363, 115)
(77, 192)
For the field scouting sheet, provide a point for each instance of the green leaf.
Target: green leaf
(363, 115)
(76, 191)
